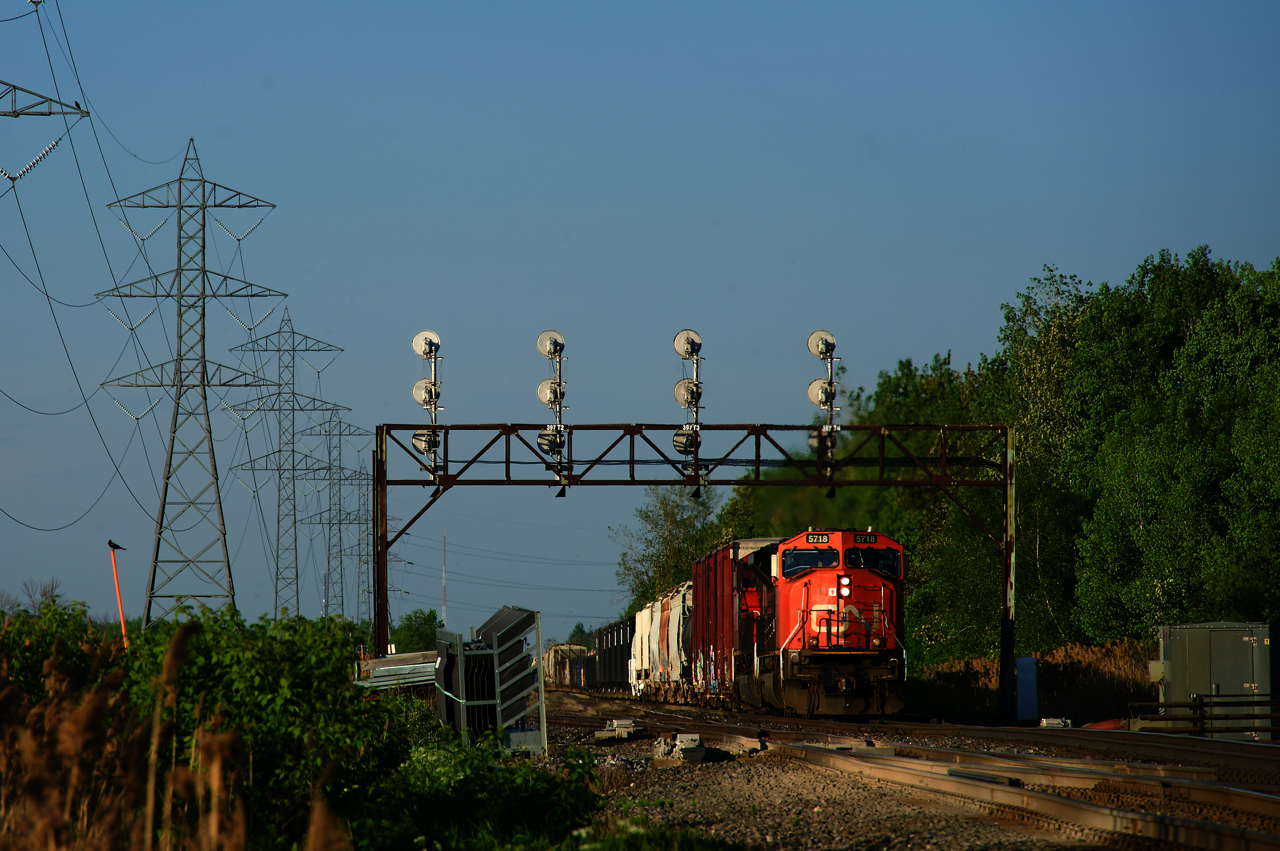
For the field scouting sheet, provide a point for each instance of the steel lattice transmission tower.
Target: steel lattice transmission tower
(333, 517)
(287, 461)
(190, 559)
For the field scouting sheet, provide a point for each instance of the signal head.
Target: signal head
(426, 344)
(688, 344)
(550, 343)
(550, 392)
(822, 344)
(686, 441)
(688, 392)
(822, 392)
(426, 392)
(426, 441)
(551, 441)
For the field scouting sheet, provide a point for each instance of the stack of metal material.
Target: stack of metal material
(492, 682)
(402, 670)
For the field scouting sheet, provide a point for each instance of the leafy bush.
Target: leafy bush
(60, 631)
(285, 686)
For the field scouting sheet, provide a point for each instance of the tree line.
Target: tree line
(1148, 472)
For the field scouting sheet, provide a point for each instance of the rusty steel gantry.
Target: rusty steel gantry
(946, 457)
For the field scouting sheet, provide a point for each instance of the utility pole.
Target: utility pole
(189, 560)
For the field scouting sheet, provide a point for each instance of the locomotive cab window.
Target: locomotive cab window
(883, 561)
(795, 562)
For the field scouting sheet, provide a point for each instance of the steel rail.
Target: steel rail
(1004, 790)
(994, 790)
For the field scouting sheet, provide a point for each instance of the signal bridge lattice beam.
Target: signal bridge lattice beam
(945, 457)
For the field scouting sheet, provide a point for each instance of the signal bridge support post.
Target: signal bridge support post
(946, 457)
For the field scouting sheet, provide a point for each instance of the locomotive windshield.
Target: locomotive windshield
(884, 561)
(798, 561)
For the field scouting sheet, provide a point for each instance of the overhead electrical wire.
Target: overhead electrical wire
(105, 488)
(476, 552)
(18, 17)
(67, 351)
(68, 410)
(497, 583)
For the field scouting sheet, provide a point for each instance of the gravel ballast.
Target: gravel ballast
(765, 801)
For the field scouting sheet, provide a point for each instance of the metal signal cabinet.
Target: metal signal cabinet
(488, 684)
(1215, 661)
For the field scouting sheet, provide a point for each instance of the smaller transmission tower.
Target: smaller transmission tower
(286, 461)
(334, 430)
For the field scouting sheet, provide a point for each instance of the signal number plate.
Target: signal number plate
(817, 539)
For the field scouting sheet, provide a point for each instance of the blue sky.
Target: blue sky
(892, 172)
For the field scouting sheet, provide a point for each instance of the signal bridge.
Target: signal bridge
(950, 458)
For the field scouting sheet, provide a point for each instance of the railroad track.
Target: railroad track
(1186, 796)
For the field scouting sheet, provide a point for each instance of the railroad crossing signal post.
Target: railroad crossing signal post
(622, 455)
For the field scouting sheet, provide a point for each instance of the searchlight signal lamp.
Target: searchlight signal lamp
(824, 393)
(551, 440)
(426, 393)
(688, 393)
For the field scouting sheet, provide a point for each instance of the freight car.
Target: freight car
(557, 663)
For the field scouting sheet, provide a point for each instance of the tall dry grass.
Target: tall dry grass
(1083, 683)
(79, 769)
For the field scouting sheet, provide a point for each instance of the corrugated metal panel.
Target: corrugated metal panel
(399, 676)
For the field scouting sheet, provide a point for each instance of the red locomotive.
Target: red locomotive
(810, 625)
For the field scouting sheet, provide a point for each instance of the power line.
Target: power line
(518, 523)
(517, 558)
(521, 585)
(66, 351)
(19, 17)
(87, 510)
(68, 410)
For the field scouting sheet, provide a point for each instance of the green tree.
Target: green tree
(416, 631)
(583, 635)
(674, 530)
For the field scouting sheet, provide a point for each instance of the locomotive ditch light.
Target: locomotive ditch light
(876, 641)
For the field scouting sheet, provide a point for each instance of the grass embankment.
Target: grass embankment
(1081, 683)
(222, 734)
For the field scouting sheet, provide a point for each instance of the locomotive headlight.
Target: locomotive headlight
(844, 590)
(844, 580)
